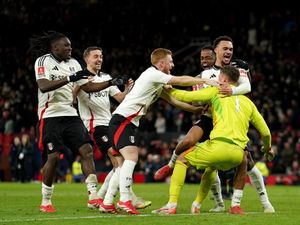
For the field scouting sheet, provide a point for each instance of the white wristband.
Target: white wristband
(68, 78)
(173, 160)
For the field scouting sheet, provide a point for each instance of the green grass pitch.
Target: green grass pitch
(19, 204)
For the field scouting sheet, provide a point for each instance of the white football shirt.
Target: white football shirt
(58, 102)
(94, 108)
(146, 90)
(243, 87)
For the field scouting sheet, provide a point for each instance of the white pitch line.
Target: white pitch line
(108, 216)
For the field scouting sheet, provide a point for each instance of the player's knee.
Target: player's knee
(250, 161)
(188, 142)
(86, 151)
(53, 158)
(250, 164)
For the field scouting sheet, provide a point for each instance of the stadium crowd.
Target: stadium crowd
(267, 41)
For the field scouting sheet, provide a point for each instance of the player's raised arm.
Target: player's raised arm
(190, 81)
(181, 105)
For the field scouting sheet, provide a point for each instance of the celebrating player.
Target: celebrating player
(147, 89)
(59, 123)
(95, 111)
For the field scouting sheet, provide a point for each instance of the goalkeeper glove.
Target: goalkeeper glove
(119, 80)
(82, 74)
(268, 155)
(238, 63)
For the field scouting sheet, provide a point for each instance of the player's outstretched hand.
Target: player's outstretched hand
(129, 85)
(168, 87)
(163, 172)
(238, 63)
(82, 74)
(211, 82)
(269, 155)
(119, 80)
(225, 89)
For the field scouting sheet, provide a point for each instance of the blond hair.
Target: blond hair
(159, 54)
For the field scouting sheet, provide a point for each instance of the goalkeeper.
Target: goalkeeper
(231, 117)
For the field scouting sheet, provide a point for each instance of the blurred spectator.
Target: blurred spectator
(6, 123)
(64, 166)
(160, 123)
(29, 153)
(76, 170)
(25, 156)
(152, 165)
(14, 159)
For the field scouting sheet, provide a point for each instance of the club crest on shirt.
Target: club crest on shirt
(50, 146)
(104, 138)
(243, 73)
(131, 139)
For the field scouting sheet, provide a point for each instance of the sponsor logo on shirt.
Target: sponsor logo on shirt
(56, 77)
(99, 94)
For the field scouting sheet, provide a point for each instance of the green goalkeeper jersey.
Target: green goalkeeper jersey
(231, 115)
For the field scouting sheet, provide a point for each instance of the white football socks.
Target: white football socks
(216, 191)
(126, 173)
(236, 197)
(257, 180)
(47, 194)
(102, 191)
(91, 184)
(112, 187)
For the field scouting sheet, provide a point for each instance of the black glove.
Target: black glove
(238, 63)
(119, 80)
(82, 74)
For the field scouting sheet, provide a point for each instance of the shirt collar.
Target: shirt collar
(154, 67)
(216, 67)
